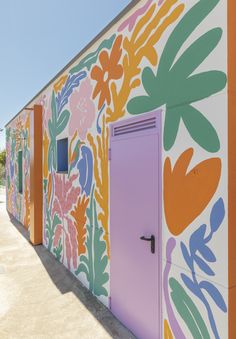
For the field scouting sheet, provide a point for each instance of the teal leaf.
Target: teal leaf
(82, 269)
(84, 259)
(197, 53)
(62, 121)
(141, 104)
(100, 259)
(149, 81)
(200, 129)
(183, 30)
(198, 87)
(188, 311)
(56, 221)
(171, 126)
(174, 84)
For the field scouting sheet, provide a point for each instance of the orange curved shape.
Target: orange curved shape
(186, 194)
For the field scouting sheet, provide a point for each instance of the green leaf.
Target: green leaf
(141, 104)
(96, 261)
(200, 129)
(172, 120)
(198, 87)
(82, 268)
(52, 130)
(183, 30)
(56, 221)
(84, 259)
(196, 53)
(174, 85)
(91, 58)
(62, 121)
(100, 259)
(54, 110)
(188, 311)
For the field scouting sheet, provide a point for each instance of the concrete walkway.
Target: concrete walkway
(39, 298)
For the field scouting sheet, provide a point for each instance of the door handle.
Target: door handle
(152, 240)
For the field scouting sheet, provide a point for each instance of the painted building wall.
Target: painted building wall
(18, 139)
(163, 54)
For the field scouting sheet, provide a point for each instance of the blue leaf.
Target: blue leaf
(217, 215)
(207, 253)
(203, 266)
(85, 167)
(190, 284)
(99, 130)
(215, 294)
(72, 82)
(186, 256)
(197, 238)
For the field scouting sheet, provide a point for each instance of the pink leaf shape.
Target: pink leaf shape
(73, 234)
(130, 22)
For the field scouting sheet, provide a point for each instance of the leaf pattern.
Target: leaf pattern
(188, 311)
(175, 85)
(198, 244)
(79, 216)
(91, 58)
(94, 265)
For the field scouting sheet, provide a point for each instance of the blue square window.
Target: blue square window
(62, 155)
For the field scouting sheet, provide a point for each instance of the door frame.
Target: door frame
(158, 130)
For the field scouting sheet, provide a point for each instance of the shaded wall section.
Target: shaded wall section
(17, 141)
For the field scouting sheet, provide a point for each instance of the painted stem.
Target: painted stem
(178, 333)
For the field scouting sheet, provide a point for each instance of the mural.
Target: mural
(18, 139)
(154, 59)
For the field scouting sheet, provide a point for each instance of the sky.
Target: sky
(38, 38)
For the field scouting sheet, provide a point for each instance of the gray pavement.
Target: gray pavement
(39, 298)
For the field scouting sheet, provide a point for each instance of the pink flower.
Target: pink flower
(82, 109)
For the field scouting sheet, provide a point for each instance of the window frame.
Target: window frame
(62, 171)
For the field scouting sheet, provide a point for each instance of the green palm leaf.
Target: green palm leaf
(174, 84)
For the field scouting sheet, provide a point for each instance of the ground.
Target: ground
(39, 298)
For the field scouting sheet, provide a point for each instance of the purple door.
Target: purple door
(135, 172)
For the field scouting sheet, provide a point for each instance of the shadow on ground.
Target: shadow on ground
(66, 282)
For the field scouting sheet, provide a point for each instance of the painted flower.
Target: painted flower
(83, 109)
(110, 69)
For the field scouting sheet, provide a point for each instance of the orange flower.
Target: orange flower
(110, 70)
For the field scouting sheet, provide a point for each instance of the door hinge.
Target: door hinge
(109, 154)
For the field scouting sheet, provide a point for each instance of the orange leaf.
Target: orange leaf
(79, 215)
(186, 195)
